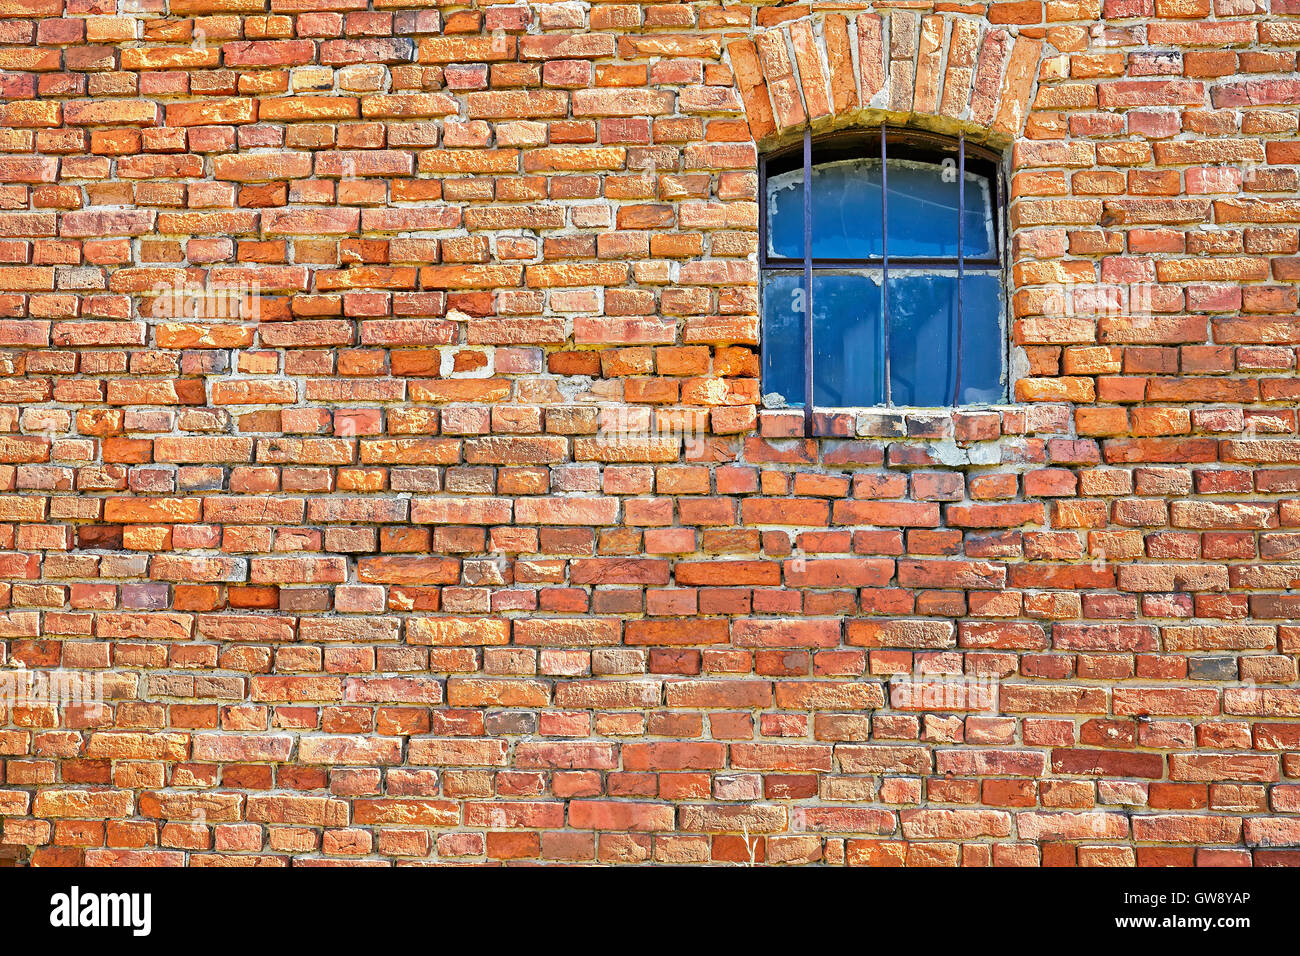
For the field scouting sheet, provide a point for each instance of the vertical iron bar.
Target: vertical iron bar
(1001, 227)
(809, 383)
(884, 268)
(961, 258)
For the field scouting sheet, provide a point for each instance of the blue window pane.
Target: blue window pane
(783, 365)
(979, 240)
(923, 208)
(846, 339)
(785, 215)
(923, 343)
(982, 339)
(847, 211)
(847, 364)
(923, 199)
(922, 337)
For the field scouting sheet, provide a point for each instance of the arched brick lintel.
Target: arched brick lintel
(945, 72)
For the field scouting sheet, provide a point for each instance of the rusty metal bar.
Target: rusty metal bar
(809, 380)
(884, 268)
(961, 261)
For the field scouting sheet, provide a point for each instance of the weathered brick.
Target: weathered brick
(381, 418)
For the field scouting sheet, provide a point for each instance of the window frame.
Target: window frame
(875, 142)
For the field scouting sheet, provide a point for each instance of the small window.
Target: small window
(906, 293)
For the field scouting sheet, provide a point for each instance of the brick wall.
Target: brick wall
(347, 352)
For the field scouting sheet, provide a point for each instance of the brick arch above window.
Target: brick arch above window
(943, 70)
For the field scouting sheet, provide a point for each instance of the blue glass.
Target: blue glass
(922, 339)
(983, 339)
(847, 365)
(783, 358)
(923, 199)
(846, 338)
(923, 343)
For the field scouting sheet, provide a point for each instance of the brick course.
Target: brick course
(347, 352)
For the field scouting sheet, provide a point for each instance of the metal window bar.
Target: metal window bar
(808, 357)
(961, 261)
(884, 269)
(1001, 236)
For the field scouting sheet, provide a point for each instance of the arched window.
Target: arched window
(906, 294)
